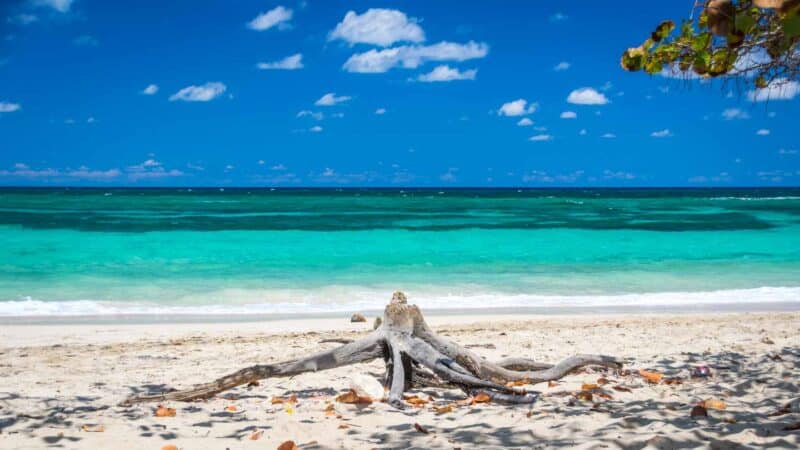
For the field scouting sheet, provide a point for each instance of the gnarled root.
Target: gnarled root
(415, 357)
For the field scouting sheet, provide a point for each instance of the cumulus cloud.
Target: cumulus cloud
(412, 56)
(23, 19)
(763, 132)
(587, 96)
(151, 89)
(331, 99)
(524, 122)
(569, 115)
(277, 16)
(541, 138)
(563, 65)
(292, 62)
(780, 89)
(661, 133)
(202, 93)
(447, 73)
(313, 114)
(7, 107)
(378, 26)
(618, 175)
(59, 5)
(735, 113)
(150, 169)
(540, 176)
(315, 129)
(519, 107)
(380, 111)
(609, 136)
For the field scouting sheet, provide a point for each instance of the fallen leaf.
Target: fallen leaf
(353, 398)
(699, 411)
(622, 389)
(253, 384)
(93, 428)
(421, 429)
(584, 395)
(719, 405)
(481, 397)
(231, 408)
(163, 411)
(589, 387)
(330, 410)
(169, 447)
(343, 426)
(465, 402)
(651, 377)
(672, 381)
(288, 445)
(443, 409)
(416, 401)
(602, 381)
(605, 395)
(289, 410)
(551, 384)
(517, 383)
(292, 399)
(256, 435)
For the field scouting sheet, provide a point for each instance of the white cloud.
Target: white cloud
(569, 115)
(449, 176)
(85, 173)
(587, 96)
(787, 151)
(150, 169)
(292, 62)
(735, 113)
(276, 16)
(780, 89)
(278, 168)
(315, 129)
(412, 56)
(763, 132)
(313, 114)
(618, 175)
(524, 122)
(563, 65)
(150, 89)
(203, 93)
(558, 17)
(541, 138)
(380, 111)
(447, 73)
(541, 176)
(7, 107)
(331, 99)
(378, 26)
(328, 172)
(609, 136)
(583, 132)
(661, 133)
(517, 107)
(59, 5)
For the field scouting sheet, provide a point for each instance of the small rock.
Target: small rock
(377, 324)
(767, 340)
(367, 386)
(358, 318)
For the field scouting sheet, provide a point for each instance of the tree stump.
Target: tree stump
(415, 356)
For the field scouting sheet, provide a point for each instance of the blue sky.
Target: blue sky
(368, 93)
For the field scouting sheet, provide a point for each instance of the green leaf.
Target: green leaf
(633, 59)
(744, 22)
(662, 30)
(701, 63)
(701, 42)
(653, 66)
(791, 24)
(761, 82)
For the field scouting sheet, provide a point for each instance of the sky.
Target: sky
(369, 93)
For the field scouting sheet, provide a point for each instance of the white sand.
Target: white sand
(56, 378)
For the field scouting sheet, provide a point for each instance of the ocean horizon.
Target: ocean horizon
(222, 251)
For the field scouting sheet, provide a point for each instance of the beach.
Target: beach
(60, 385)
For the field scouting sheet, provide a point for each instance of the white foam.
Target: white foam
(368, 299)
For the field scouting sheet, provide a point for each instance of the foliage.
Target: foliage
(756, 39)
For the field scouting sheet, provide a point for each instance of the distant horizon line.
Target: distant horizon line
(434, 187)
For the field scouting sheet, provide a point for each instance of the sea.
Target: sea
(102, 252)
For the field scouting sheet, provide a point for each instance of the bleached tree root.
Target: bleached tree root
(415, 356)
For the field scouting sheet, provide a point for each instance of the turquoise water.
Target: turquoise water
(98, 251)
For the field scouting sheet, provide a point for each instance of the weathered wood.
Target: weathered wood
(415, 356)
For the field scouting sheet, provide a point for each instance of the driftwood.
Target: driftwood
(415, 356)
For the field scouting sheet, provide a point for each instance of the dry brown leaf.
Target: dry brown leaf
(621, 389)
(421, 429)
(163, 411)
(482, 397)
(291, 400)
(169, 447)
(256, 435)
(672, 381)
(651, 377)
(605, 395)
(288, 445)
(602, 381)
(699, 411)
(330, 410)
(93, 428)
(584, 395)
(551, 384)
(253, 384)
(517, 383)
(589, 386)
(444, 409)
(352, 398)
(416, 401)
(465, 402)
(711, 403)
(231, 408)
